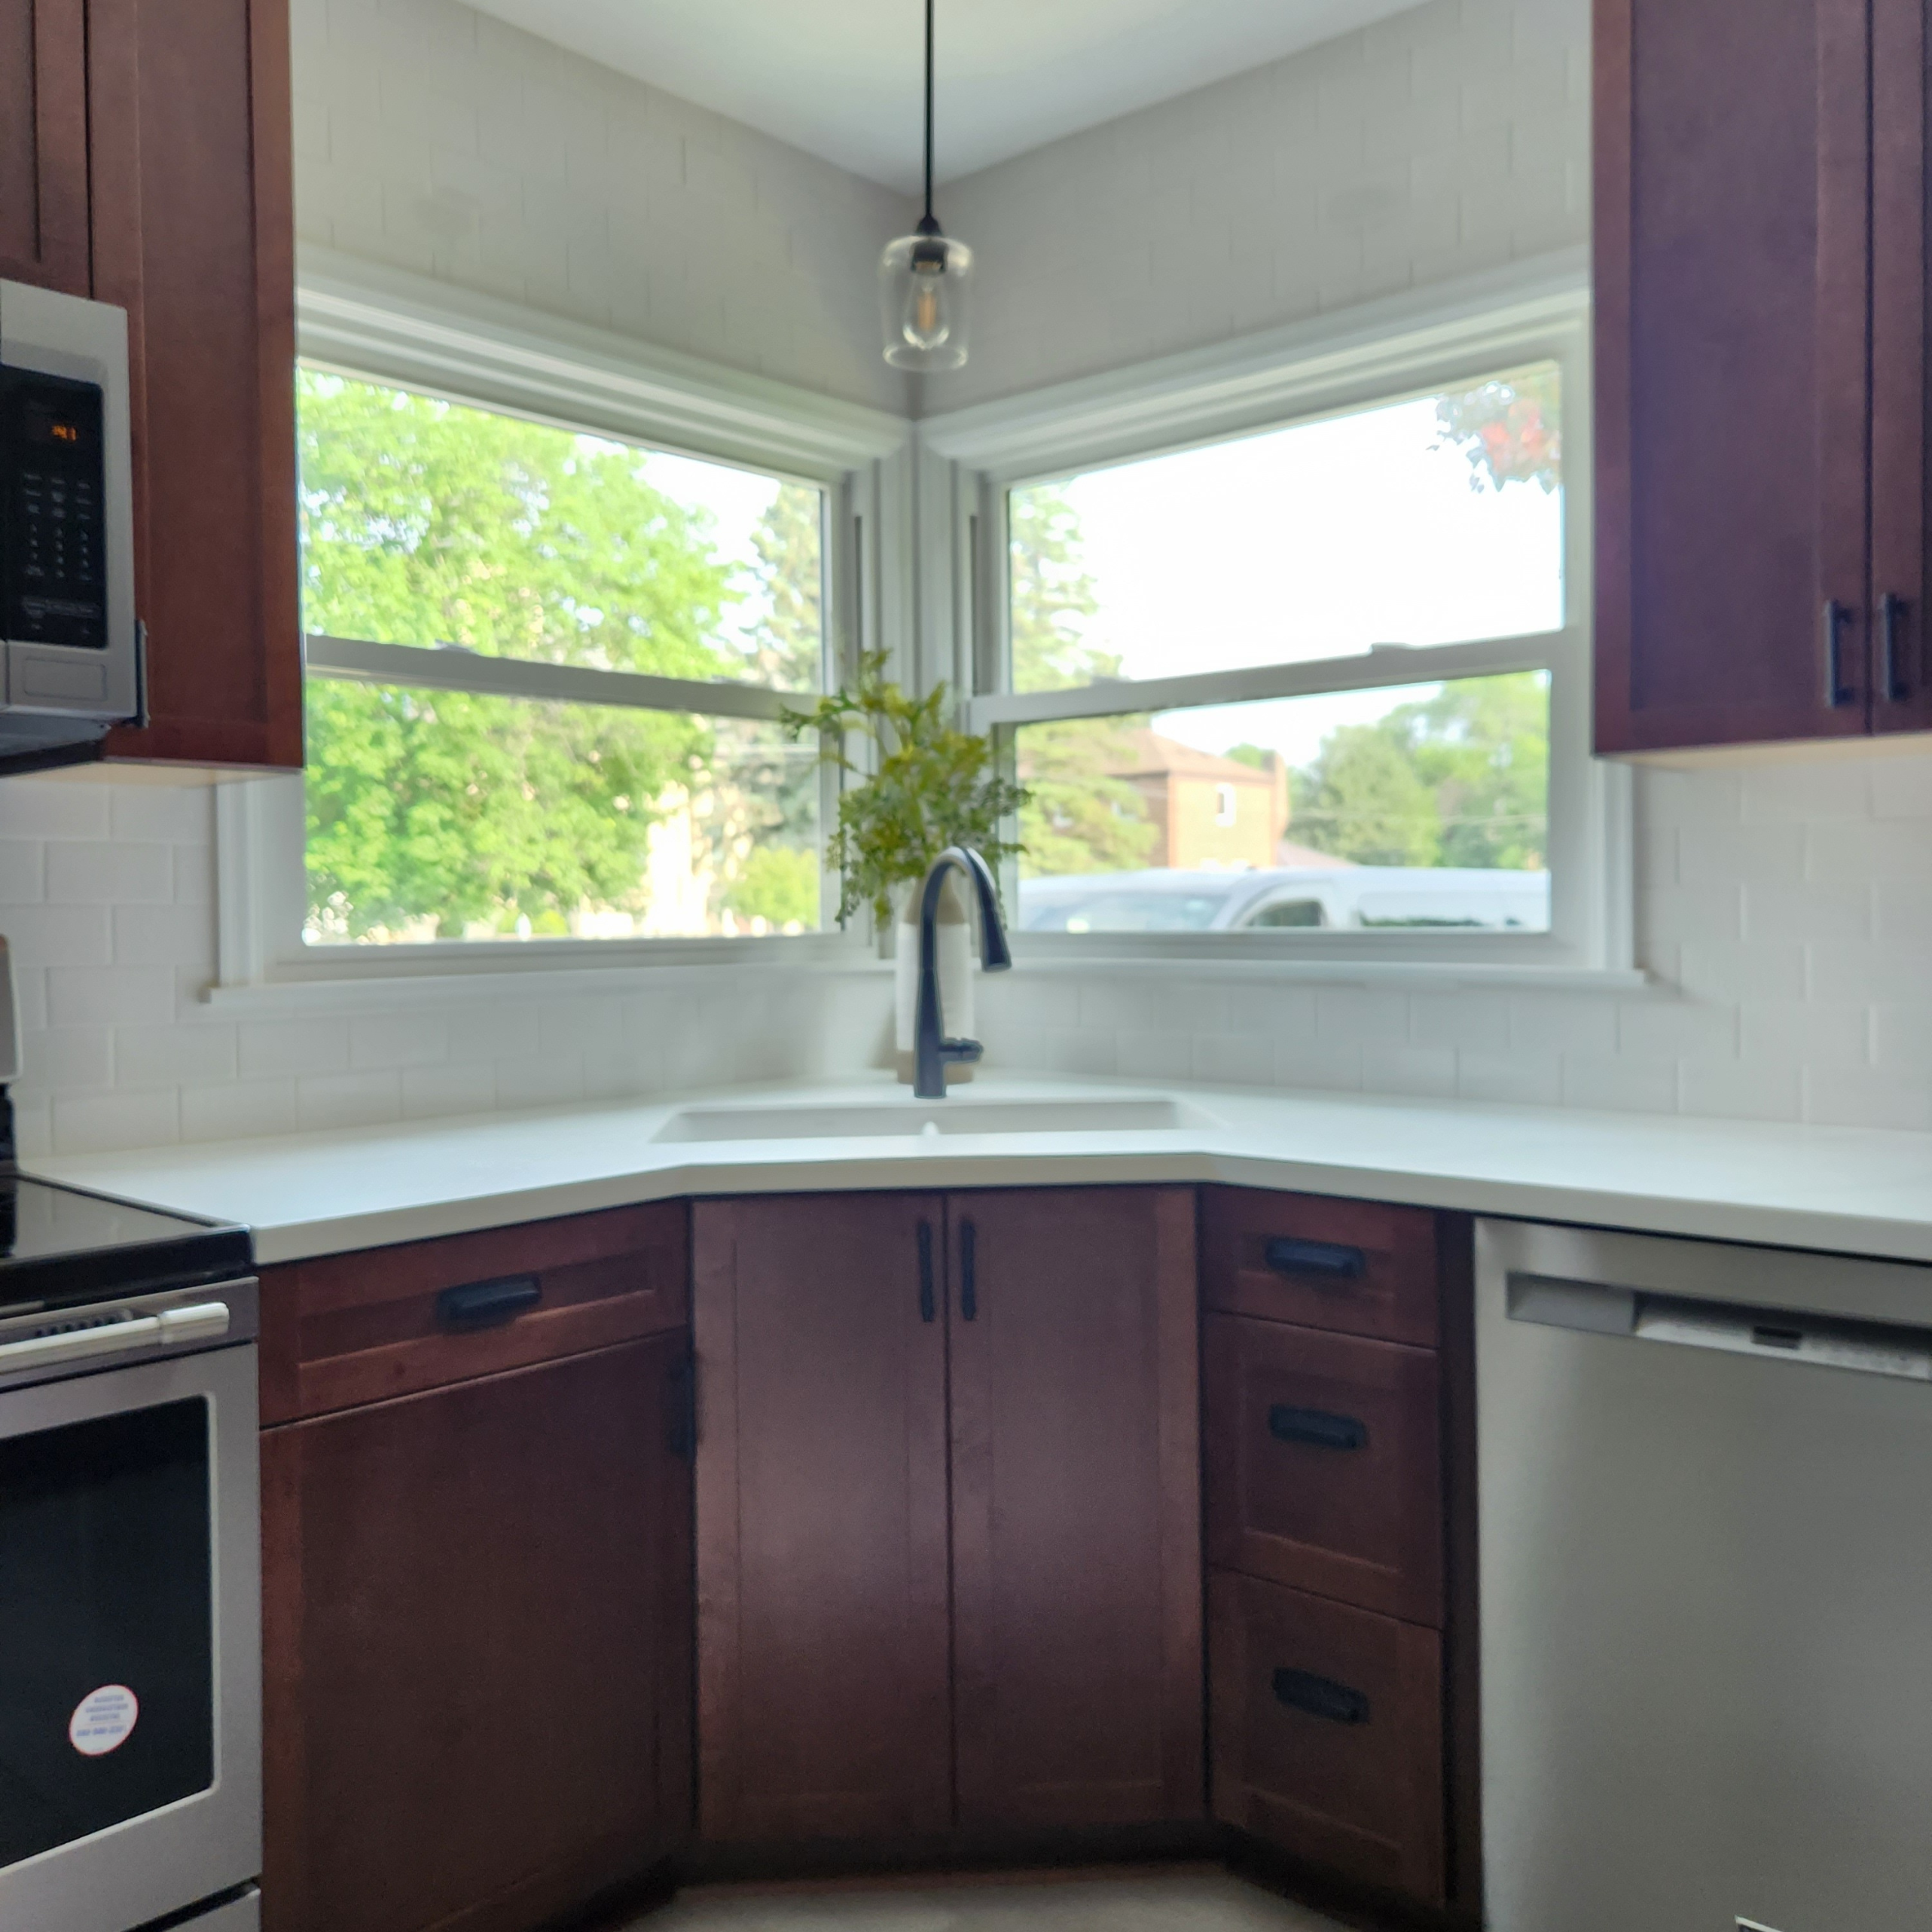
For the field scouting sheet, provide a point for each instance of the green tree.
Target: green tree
(1364, 799)
(425, 523)
(1080, 815)
(1460, 778)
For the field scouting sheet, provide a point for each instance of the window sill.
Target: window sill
(1206, 962)
(361, 977)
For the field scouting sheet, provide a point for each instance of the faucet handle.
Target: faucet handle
(958, 1051)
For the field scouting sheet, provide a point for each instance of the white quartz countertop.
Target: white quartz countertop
(1849, 1190)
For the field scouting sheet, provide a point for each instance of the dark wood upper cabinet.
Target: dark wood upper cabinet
(188, 107)
(1901, 381)
(43, 144)
(1734, 407)
(477, 1644)
(1077, 1489)
(823, 1698)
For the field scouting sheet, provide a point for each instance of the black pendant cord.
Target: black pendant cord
(929, 226)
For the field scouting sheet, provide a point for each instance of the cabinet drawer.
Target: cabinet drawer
(1327, 1723)
(1324, 1464)
(349, 1329)
(1359, 1267)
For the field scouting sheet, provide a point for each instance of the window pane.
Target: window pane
(1432, 521)
(442, 815)
(429, 522)
(1421, 805)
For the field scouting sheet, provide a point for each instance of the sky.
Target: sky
(1317, 540)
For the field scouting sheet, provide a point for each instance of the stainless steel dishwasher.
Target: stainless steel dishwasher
(1706, 1524)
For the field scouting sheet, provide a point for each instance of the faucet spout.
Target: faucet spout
(932, 1052)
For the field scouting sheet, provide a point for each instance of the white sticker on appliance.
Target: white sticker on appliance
(103, 1719)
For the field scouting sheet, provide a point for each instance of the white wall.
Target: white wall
(1786, 911)
(1450, 139)
(437, 138)
(106, 896)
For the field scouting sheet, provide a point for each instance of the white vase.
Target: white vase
(952, 929)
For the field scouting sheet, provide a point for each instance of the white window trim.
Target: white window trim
(362, 319)
(1407, 344)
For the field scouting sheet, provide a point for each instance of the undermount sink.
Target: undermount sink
(910, 1119)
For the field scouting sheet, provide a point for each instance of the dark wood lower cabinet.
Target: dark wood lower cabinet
(823, 1706)
(477, 1647)
(1076, 1510)
(876, 1657)
(1328, 1733)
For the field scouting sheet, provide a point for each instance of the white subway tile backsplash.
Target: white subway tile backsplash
(348, 1099)
(270, 1047)
(99, 871)
(1853, 1096)
(113, 996)
(238, 1110)
(415, 1038)
(1817, 1021)
(23, 871)
(186, 1054)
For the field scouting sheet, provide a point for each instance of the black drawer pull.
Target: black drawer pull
(929, 1307)
(682, 1434)
(969, 1272)
(488, 1303)
(1329, 1261)
(1317, 1427)
(1321, 1697)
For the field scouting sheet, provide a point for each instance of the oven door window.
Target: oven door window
(107, 1702)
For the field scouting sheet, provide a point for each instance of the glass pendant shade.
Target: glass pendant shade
(925, 293)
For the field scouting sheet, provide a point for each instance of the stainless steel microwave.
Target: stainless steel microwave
(70, 658)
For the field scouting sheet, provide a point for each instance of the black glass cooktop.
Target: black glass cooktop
(60, 1245)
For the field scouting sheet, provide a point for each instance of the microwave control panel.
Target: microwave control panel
(54, 588)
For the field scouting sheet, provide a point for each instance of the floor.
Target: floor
(1194, 1902)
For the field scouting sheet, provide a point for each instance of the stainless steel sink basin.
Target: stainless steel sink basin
(908, 1119)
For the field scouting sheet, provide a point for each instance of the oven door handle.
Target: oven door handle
(202, 1321)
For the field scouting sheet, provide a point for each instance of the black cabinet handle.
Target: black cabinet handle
(1321, 1697)
(1892, 684)
(683, 1432)
(1329, 1261)
(969, 1271)
(1837, 617)
(488, 1303)
(1317, 1427)
(929, 1307)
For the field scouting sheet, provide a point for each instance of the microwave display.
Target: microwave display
(52, 512)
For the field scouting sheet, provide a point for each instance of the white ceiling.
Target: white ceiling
(841, 78)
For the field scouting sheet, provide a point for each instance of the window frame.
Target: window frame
(370, 324)
(1414, 344)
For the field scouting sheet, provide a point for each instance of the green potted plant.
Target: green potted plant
(925, 785)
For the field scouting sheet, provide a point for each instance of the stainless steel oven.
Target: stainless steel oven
(130, 1707)
(70, 651)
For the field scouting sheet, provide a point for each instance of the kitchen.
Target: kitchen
(1372, 1472)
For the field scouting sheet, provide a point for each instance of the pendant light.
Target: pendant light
(926, 277)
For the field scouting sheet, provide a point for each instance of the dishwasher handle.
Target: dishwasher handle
(1684, 1321)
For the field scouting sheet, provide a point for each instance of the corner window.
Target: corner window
(1319, 687)
(545, 670)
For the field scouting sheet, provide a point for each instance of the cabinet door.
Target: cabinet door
(477, 1638)
(823, 1699)
(43, 144)
(1328, 1733)
(1076, 1533)
(1901, 380)
(193, 235)
(1733, 181)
